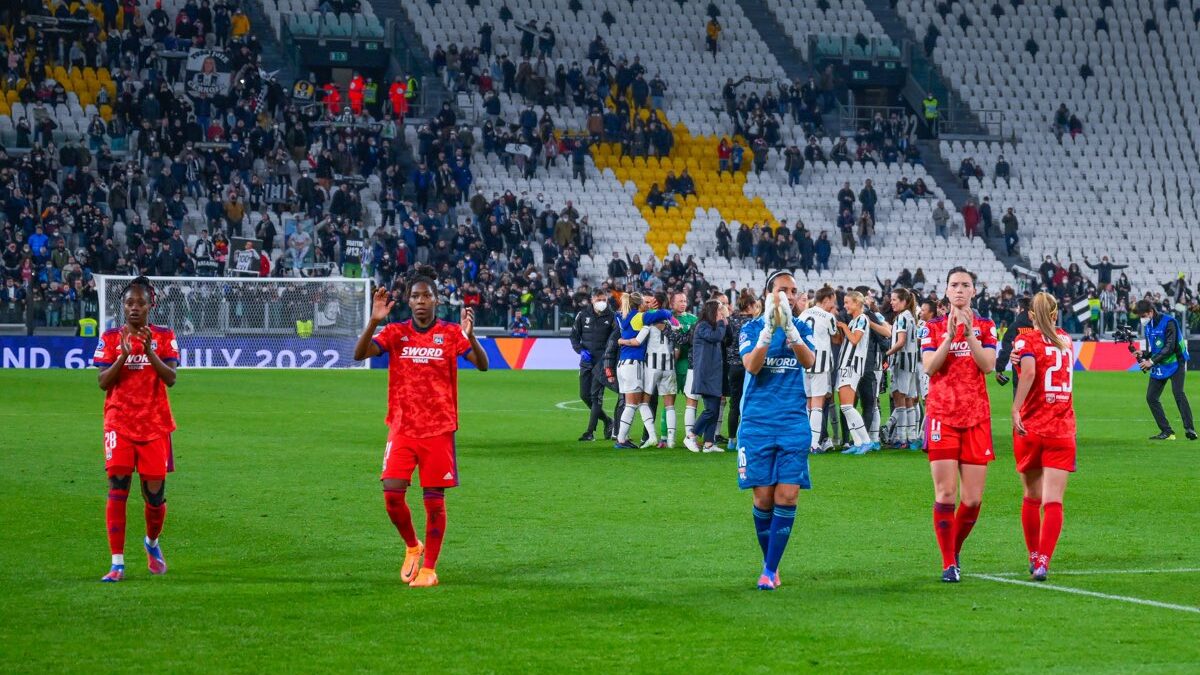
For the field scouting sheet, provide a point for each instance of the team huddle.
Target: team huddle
(784, 359)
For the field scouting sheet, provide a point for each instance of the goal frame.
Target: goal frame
(106, 322)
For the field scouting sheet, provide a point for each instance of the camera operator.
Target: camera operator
(1165, 359)
(1021, 320)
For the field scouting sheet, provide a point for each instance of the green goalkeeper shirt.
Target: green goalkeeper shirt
(687, 322)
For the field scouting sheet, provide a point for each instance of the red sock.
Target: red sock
(155, 515)
(1052, 521)
(943, 526)
(964, 522)
(435, 526)
(397, 510)
(1031, 522)
(114, 518)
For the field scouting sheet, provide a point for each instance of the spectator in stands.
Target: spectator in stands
(904, 190)
(967, 170)
(845, 197)
(1011, 226)
(1075, 125)
(823, 250)
(866, 230)
(970, 214)
(941, 220)
(1104, 270)
(712, 32)
(793, 163)
(723, 154)
(1124, 289)
(1062, 120)
(845, 225)
(985, 214)
(1002, 171)
(735, 156)
(724, 241)
(519, 327)
(745, 241)
(868, 198)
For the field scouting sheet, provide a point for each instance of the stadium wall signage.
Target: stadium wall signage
(317, 352)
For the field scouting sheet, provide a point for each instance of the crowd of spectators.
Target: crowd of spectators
(184, 166)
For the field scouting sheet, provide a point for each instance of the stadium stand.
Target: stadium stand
(542, 175)
(696, 111)
(1125, 185)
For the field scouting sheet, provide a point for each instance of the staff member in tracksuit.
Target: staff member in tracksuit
(594, 325)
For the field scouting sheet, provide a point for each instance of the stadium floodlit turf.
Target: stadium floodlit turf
(565, 556)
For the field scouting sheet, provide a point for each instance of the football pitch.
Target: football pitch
(567, 556)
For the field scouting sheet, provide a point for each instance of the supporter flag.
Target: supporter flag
(1083, 311)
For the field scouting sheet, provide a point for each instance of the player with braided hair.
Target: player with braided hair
(422, 413)
(137, 363)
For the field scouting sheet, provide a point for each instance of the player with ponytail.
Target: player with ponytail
(904, 354)
(1043, 419)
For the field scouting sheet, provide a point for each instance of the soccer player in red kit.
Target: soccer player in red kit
(1043, 420)
(137, 363)
(957, 351)
(422, 412)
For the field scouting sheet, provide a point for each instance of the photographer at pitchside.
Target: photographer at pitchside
(1165, 359)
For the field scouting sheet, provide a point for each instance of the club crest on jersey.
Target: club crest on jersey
(935, 430)
(439, 339)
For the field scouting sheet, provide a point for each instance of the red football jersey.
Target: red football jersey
(423, 376)
(1048, 410)
(958, 392)
(136, 407)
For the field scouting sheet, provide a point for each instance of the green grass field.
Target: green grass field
(563, 556)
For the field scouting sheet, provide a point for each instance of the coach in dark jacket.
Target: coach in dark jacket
(594, 325)
(1021, 320)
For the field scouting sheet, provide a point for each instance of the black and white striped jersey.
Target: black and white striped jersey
(854, 356)
(824, 327)
(660, 349)
(906, 358)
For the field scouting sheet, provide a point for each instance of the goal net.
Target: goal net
(229, 322)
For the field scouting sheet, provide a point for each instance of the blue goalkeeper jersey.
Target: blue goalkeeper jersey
(631, 324)
(773, 401)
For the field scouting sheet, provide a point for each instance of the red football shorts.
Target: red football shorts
(435, 457)
(1033, 451)
(153, 459)
(965, 445)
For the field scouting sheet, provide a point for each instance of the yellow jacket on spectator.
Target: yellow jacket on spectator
(240, 25)
(713, 29)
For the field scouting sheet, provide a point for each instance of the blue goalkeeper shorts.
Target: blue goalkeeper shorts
(770, 459)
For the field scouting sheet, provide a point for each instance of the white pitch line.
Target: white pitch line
(1177, 570)
(1092, 594)
(567, 405)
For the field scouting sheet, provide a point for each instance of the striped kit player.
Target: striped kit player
(851, 368)
(905, 365)
(819, 378)
(659, 375)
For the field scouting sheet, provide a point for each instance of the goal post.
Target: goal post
(232, 322)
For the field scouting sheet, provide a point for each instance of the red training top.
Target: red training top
(423, 376)
(958, 392)
(136, 407)
(1048, 410)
